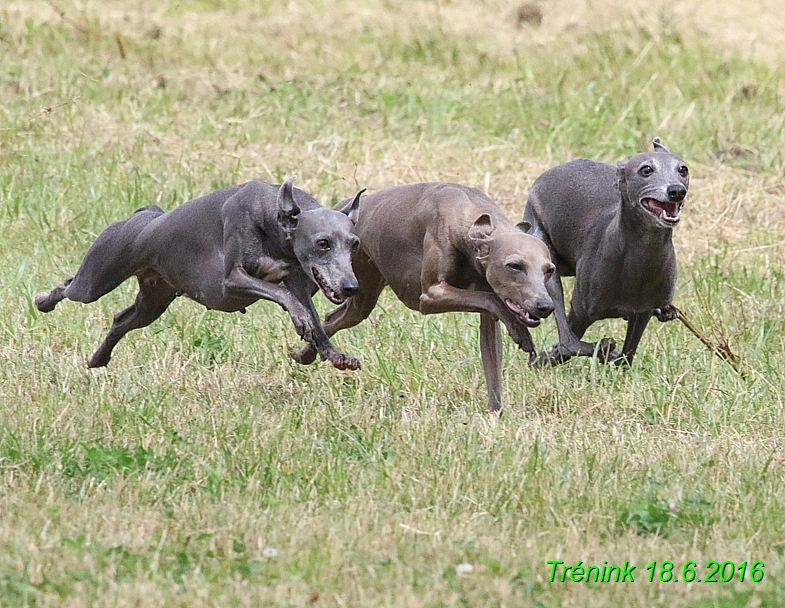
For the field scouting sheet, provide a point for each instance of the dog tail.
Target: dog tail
(111, 259)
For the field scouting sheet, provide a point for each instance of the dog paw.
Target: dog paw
(98, 361)
(541, 359)
(606, 350)
(43, 303)
(556, 356)
(343, 361)
(304, 328)
(622, 360)
(304, 355)
(666, 313)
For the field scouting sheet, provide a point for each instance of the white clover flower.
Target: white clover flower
(270, 552)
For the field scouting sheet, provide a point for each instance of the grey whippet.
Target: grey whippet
(445, 247)
(610, 228)
(225, 250)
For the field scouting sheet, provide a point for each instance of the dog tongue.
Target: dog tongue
(515, 308)
(670, 209)
(333, 296)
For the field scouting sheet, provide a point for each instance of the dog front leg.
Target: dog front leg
(302, 289)
(570, 345)
(239, 284)
(443, 297)
(491, 353)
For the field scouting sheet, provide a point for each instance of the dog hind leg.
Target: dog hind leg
(114, 257)
(153, 299)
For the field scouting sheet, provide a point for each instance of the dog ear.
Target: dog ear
(658, 147)
(480, 234)
(288, 210)
(482, 228)
(621, 174)
(354, 209)
(621, 179)
(524, 226)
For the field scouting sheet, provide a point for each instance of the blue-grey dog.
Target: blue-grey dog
(225, 250)
(610, 228)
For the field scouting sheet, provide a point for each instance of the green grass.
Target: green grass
(203, 467)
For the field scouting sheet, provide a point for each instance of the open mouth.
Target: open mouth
(527, 319)
(328, 291)
(667, 212)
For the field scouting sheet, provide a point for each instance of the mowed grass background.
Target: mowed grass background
(205, 468)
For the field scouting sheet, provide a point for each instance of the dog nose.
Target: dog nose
(544, 308)
(676, 193)
(350, 288)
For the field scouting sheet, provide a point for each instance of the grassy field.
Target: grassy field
(205, 468)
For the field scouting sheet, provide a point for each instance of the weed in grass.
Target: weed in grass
(657, 516)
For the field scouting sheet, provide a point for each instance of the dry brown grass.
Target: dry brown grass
(755, 27)
(729, 208)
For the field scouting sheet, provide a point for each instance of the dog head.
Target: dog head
(517, 266)
(653, 186)
(323, 241)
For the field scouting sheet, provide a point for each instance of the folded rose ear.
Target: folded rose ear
(354, 209)
(658, 147)
(480, 234)
(482, 228)
(288, 210)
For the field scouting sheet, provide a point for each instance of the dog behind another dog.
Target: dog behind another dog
(225, 250)
(446, 247)
(611, 228)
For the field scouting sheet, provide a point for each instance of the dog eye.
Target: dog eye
(683, 171)
(355, 245)
(515, 266)
(323, 244)
(646, 170)
(550, 270)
